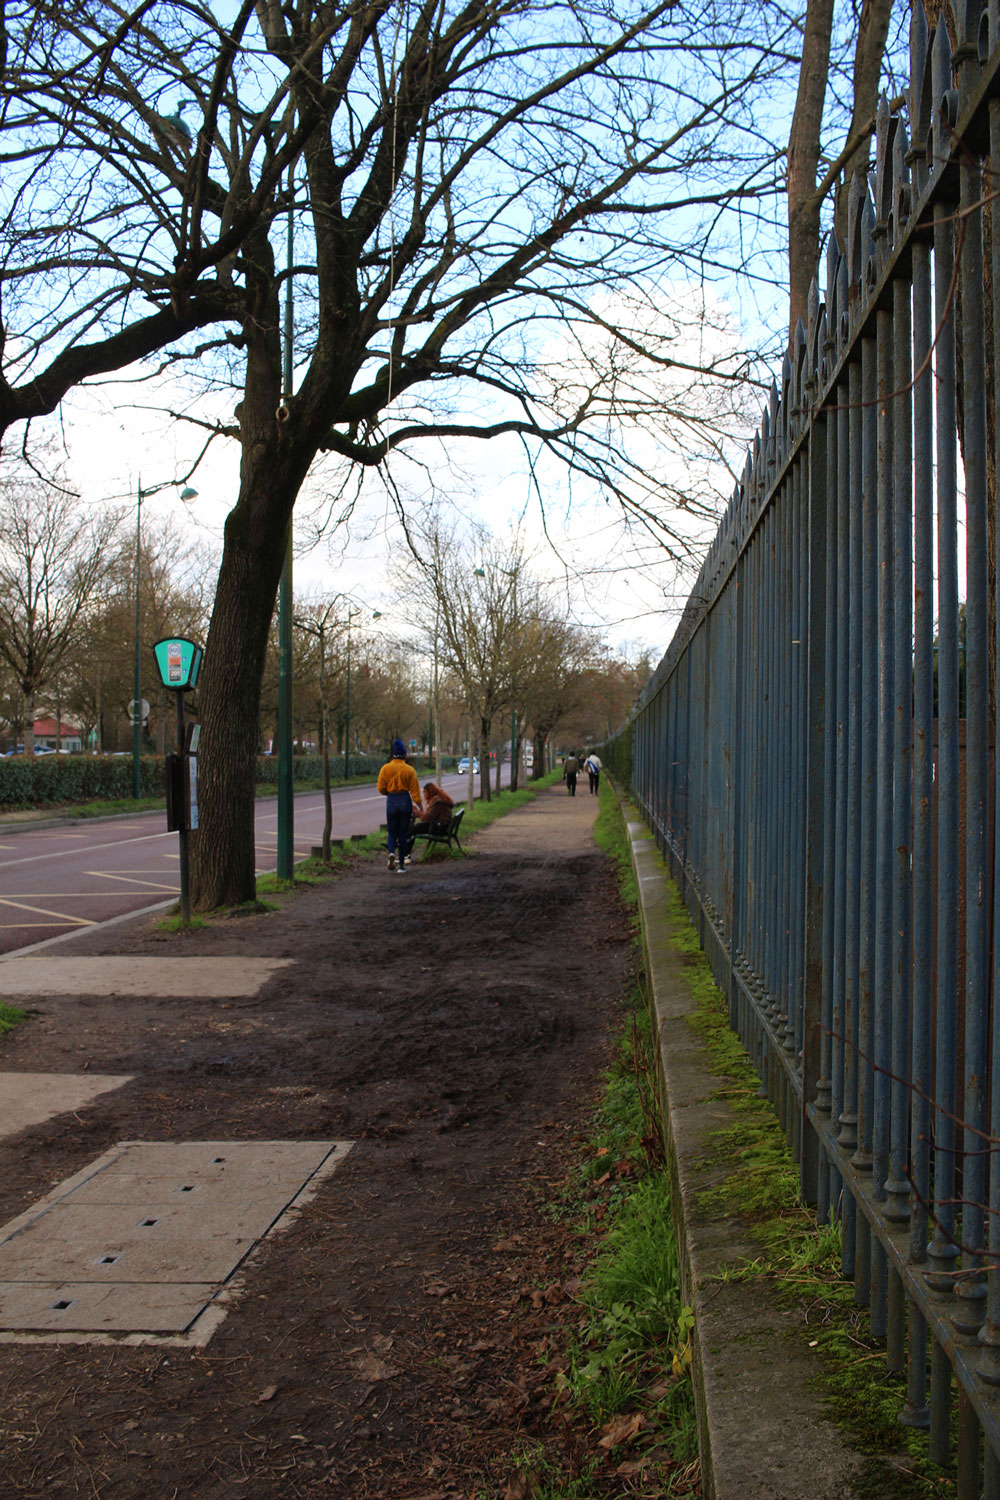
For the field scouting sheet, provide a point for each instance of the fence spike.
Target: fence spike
(843, 330)
(821, 349)
(885, 135)
(812, 310)
(967, 13)
(783, 428)
(901, 199)
(834, 255)
(919, 90)
(868, 250)
(944, 98)
(855, 207)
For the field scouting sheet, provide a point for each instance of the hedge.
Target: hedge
(41, 780)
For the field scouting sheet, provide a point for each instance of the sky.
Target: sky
(617, 582)
(612, 581)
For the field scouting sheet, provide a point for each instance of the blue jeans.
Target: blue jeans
(398, 812)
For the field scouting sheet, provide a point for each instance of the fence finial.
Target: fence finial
(885, 135)
(833, 257)
(944, 98)
(901, 200)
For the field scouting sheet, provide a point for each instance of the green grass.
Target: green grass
(120, 806)
(176, 923)
(10, 1017)
(800, 1257)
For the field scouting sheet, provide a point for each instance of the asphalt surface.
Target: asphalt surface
(56, 880)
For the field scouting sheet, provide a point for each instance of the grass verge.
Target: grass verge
(10, 1017)
(800, 1257)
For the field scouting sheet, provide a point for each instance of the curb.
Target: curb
(57, 820)
(763, 1431)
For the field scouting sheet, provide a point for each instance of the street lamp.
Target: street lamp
(187, 493)
(285, 862)
(352, 614)
(320, 631)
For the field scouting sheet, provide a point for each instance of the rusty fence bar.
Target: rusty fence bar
(816, 750)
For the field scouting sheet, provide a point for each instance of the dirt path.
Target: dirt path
(453, 1023)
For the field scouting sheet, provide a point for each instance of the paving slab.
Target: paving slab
(29, 1098)
(146, 1240)
(166, 978)
(59, 1308)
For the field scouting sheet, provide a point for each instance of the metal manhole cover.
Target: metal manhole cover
(146, 1241)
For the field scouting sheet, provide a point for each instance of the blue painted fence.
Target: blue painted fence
(815, 752)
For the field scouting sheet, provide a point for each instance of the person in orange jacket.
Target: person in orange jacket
(398, 784)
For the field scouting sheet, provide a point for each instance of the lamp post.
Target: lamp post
(187, 493)
(436, 715)
(285, 864)
(319, 631)
(353, 614)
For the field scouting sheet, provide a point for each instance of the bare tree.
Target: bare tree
(474, 188)
(472, 594)
(555, 657)
(806, 190)
(54, 558)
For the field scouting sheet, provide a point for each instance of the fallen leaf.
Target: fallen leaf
(622, 1430)
(521, 1487)
(373, 1368)
(267, 1394)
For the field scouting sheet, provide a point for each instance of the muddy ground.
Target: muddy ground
(454, 1023)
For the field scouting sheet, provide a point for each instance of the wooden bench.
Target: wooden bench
(440, 833)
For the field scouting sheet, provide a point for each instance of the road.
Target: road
(58, 880)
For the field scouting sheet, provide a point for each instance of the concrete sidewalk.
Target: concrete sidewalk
(763, 1428)
(764, 1432)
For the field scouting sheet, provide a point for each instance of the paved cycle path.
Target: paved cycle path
(145, 1241)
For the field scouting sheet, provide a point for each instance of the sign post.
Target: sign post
(178, 662)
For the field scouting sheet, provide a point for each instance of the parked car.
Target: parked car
(463, 765)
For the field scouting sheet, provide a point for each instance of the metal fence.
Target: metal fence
(815, 752)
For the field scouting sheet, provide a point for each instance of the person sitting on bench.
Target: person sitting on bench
(438, 808)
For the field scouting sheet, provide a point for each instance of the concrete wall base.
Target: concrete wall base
(763, 1431)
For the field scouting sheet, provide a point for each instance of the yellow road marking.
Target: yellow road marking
(59, 916)
(24, 926)
(150, 885)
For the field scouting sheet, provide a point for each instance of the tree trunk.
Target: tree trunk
(485, 727)
(223, 864)
(873, 29)
(804, 203)
(278, 441)
(538, 769)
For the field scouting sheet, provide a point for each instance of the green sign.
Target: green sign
(177, 662)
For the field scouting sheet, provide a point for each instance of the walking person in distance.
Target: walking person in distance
(571, 767)
(398, 784)
(592, 766)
